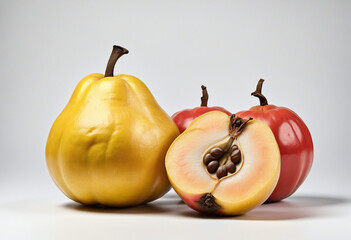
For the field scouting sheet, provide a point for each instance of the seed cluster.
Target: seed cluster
(217, 161)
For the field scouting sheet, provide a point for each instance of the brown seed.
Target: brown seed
(233, 148)
(212, 166)
(208, 158)
(231, 167)
(217, 152)
(235, 156)
(221, 172)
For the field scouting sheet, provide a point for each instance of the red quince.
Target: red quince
(185, 117)
(294, 141)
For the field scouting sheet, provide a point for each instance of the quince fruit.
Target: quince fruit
(224, 165)
(108, 145)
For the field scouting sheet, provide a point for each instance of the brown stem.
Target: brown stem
(204, 98)
(117, 52)
(257, 93)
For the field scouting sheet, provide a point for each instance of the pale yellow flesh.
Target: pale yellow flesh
(184, 157)
(236, 194)
(109, 143)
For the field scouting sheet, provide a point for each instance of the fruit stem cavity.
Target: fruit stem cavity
(258, 93)
(117, 52)
(237, 125)
(204, 98)
(208, 204)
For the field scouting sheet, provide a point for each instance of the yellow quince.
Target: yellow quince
(108, 145)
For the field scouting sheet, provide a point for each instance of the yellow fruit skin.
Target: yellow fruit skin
(108, 145)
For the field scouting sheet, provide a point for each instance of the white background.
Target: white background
(301, 48)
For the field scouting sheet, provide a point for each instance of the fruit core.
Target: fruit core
(225, 158)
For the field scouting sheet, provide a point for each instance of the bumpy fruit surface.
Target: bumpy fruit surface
(224, 165)
(108, 146)
(185, 117)
(294, 140)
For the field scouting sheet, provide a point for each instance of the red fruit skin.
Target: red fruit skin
(191, 201)
(295, 144)
(183, 118)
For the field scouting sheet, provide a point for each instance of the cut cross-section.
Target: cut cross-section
(224, 165)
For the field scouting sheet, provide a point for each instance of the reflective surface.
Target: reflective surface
(298, 217)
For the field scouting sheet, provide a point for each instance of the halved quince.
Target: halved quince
(224, 164)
